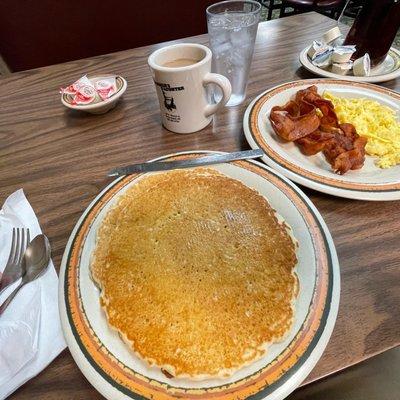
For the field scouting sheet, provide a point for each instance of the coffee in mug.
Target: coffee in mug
(180, 62)
(181, 73)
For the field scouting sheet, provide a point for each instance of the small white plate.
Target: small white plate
(117, 373)
(389, 69)
(367, 183)
(100, 107)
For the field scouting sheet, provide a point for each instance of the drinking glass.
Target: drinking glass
(232, 29)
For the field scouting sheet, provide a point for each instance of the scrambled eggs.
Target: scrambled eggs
(374, 121)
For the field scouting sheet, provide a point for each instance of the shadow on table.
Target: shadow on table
(303, 73)
(374, 379)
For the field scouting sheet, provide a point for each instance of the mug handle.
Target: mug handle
(226, 88)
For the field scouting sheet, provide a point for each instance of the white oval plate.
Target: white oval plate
(389, 69)
(367, 183)
(117, 373)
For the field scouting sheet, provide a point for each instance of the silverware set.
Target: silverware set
(13, 270)
(27, 260)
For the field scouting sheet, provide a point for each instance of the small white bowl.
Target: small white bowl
(100, 107)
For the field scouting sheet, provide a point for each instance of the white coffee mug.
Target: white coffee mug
(182, 90)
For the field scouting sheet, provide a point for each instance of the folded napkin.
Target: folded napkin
(30, 329)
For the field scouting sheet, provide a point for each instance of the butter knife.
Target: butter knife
(188, 163)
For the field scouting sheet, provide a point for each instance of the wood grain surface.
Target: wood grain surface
(60, 158)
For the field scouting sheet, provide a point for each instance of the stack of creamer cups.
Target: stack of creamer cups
(330, 54)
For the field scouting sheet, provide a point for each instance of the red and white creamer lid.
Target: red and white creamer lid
(72, 89)
(84, 95)
(106, 87)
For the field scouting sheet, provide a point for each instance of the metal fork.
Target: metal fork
(14, 269)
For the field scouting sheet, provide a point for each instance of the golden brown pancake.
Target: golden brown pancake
(196, 272)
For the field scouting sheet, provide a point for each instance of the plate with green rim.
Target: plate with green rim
(116, 372)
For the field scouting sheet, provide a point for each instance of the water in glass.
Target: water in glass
(232, 34)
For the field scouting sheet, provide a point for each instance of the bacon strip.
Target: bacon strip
(351, 159)
(315, 142)
(310, 96)
(290, 125)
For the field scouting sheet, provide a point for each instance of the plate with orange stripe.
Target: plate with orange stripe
(117, 373)
(367, 183)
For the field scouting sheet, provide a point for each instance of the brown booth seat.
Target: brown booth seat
(34, 33)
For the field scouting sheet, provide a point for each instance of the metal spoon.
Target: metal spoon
(36, 259)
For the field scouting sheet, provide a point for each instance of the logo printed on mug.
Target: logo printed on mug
(181, 74)
(169, 102)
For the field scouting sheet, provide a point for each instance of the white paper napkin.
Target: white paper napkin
(30, 330)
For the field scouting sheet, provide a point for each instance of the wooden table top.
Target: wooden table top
(60, 158)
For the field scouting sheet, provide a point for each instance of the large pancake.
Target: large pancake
(196, 272)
